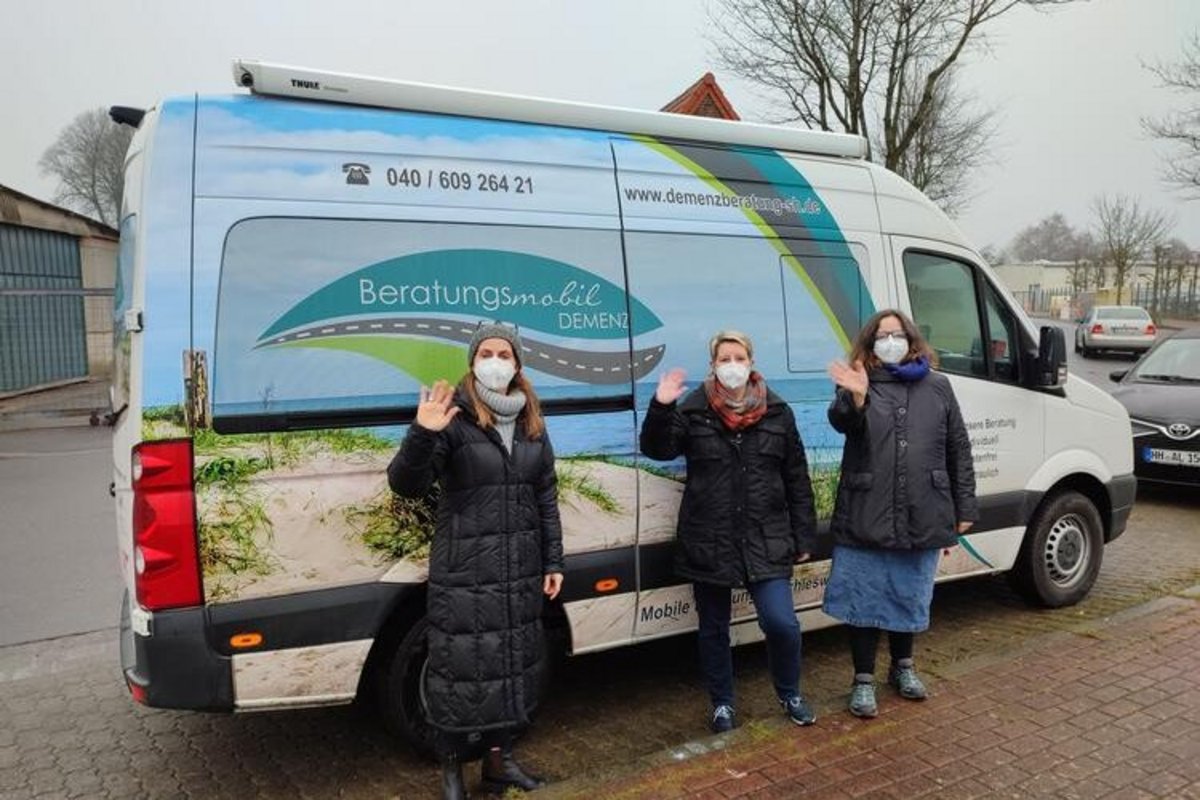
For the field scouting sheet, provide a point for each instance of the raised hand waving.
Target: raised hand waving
(436, 408)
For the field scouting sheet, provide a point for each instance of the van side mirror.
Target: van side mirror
(1051, 371)
(1117, 374)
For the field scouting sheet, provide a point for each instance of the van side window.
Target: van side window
(941, 293)
(1002, 335)
(970, 338)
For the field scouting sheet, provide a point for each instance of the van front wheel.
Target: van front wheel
(1061, 555)
(402, 690)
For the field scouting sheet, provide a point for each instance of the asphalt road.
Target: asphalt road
(58, 554)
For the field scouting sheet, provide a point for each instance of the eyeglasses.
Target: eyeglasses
(897, 335)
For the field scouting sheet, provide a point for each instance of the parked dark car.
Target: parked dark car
(1162, 394)
(1126, 328)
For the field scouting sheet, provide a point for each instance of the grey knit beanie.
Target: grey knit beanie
(494, 330)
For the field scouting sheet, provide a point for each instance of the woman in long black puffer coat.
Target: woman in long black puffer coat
(497, 549)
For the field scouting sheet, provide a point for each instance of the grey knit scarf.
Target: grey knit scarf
(505, 408)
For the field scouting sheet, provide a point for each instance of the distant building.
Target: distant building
(57, 273)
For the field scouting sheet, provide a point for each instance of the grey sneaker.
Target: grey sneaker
(722, 719)
(902, 676)
(798, 710)
(862, 699)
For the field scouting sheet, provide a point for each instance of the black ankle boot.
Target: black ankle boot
(453, 787)
(501, 770)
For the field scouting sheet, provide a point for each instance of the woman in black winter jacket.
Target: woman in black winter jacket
(907, 490)
(746, 515)
(497, 549)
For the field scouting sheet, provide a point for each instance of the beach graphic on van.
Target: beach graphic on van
(409, 312)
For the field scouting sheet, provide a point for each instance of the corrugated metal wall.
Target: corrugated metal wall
(42, 333)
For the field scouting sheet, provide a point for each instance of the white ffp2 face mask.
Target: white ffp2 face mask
(732, 374)
(892, 349)
(495, 373)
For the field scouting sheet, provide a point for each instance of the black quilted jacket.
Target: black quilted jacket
(747, 506)
(497, 534)
(907, 474)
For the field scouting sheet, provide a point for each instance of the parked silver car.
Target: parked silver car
(1126, 328)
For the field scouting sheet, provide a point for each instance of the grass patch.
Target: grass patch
(572, 481)
(824, 485)
(230, 471)
(231, 526)
(395, 527)
(290, 446)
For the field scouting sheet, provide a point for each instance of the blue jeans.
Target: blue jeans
(777, 619)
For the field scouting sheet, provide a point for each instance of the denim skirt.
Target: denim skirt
(886, 589)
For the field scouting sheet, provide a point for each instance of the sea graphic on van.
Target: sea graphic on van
(409, 312)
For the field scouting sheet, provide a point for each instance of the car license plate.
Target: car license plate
(1181, 458)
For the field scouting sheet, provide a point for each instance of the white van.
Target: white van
(296, 261)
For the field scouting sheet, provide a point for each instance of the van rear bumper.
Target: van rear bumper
(175, 667)
(1122, 490)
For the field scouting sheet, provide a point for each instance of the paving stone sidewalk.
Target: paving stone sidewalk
(1109, 709)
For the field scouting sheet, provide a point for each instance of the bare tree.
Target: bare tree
(994, 255)
(882, 69)
(88, 158)
(1182, 128)
(1052, 239)
(948, 147)
(1083, 254)
(1126, 233)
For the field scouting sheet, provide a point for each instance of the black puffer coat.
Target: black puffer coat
(747, 506)
(497, 534)
(907, 475)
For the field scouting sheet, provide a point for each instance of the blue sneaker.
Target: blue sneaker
(904, 678)
(862, 699)
(722, 719)
(798, 710)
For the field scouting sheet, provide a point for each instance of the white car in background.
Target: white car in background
(1126, 328)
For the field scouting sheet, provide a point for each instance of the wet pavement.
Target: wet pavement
(69, 729)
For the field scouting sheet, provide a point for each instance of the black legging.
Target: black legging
(864, 642)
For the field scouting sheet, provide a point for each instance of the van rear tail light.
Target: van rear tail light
(166, 556)
(1151, 330)
(1097, 328)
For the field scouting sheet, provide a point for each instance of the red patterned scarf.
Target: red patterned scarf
(737, 414)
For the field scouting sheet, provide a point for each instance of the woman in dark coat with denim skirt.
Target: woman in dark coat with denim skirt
(907, 490)
(746, 515)
(497, 549)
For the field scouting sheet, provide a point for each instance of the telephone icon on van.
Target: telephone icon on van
(356, 174)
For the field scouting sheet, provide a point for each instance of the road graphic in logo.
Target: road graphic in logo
(415, 311)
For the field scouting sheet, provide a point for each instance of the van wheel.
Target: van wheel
(401, 691)
(1061, 555)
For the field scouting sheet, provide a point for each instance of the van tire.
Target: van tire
(400, 695)
(1061, 555)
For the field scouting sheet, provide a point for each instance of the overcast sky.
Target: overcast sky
(1069, 84)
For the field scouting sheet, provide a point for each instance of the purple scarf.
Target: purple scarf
(909, 371)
